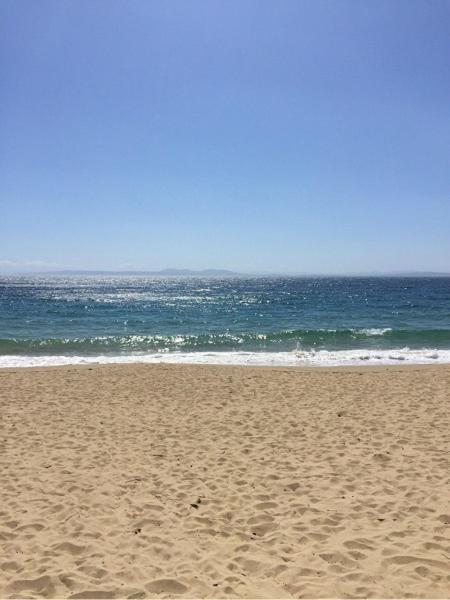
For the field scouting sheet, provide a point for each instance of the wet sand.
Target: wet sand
(201, 481)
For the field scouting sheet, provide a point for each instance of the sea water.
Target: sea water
(294, 321)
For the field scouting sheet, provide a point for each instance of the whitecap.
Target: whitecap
(321, 358)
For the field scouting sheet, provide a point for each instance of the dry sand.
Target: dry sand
(201, 481)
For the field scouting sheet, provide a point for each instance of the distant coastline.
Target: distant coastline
(217, 273)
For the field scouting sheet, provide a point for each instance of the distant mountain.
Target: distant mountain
(202, 273)
(418, 274)
(412, 274)
(161, 273)
(224, 273)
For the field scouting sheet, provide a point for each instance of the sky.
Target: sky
(304, 136)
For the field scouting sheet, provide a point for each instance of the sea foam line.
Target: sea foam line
(322, 358)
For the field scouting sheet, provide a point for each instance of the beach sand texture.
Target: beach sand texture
(201, 481)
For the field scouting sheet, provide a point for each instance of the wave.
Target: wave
(322, 358)
(278, 341)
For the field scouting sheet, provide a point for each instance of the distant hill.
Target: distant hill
(161, 273)
(224, 273)
(418, 274)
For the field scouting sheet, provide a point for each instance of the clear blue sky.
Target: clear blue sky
(301, 136)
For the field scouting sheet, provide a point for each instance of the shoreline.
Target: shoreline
(212, 481)
(279, 368)
(296, 359)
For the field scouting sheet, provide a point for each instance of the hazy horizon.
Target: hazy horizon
(306, 137)
(218, 271)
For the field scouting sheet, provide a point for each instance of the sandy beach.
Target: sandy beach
(200, 481)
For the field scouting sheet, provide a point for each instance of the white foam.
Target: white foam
(322, 358)
(370, 331)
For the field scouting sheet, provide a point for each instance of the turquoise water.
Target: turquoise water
(46, 320)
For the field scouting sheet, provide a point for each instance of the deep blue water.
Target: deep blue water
(91, 316)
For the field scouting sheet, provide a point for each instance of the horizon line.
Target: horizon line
(174, 272)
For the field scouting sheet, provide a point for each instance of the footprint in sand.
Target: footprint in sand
(167, 586)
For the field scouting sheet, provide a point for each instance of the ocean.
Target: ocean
(260, 320)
